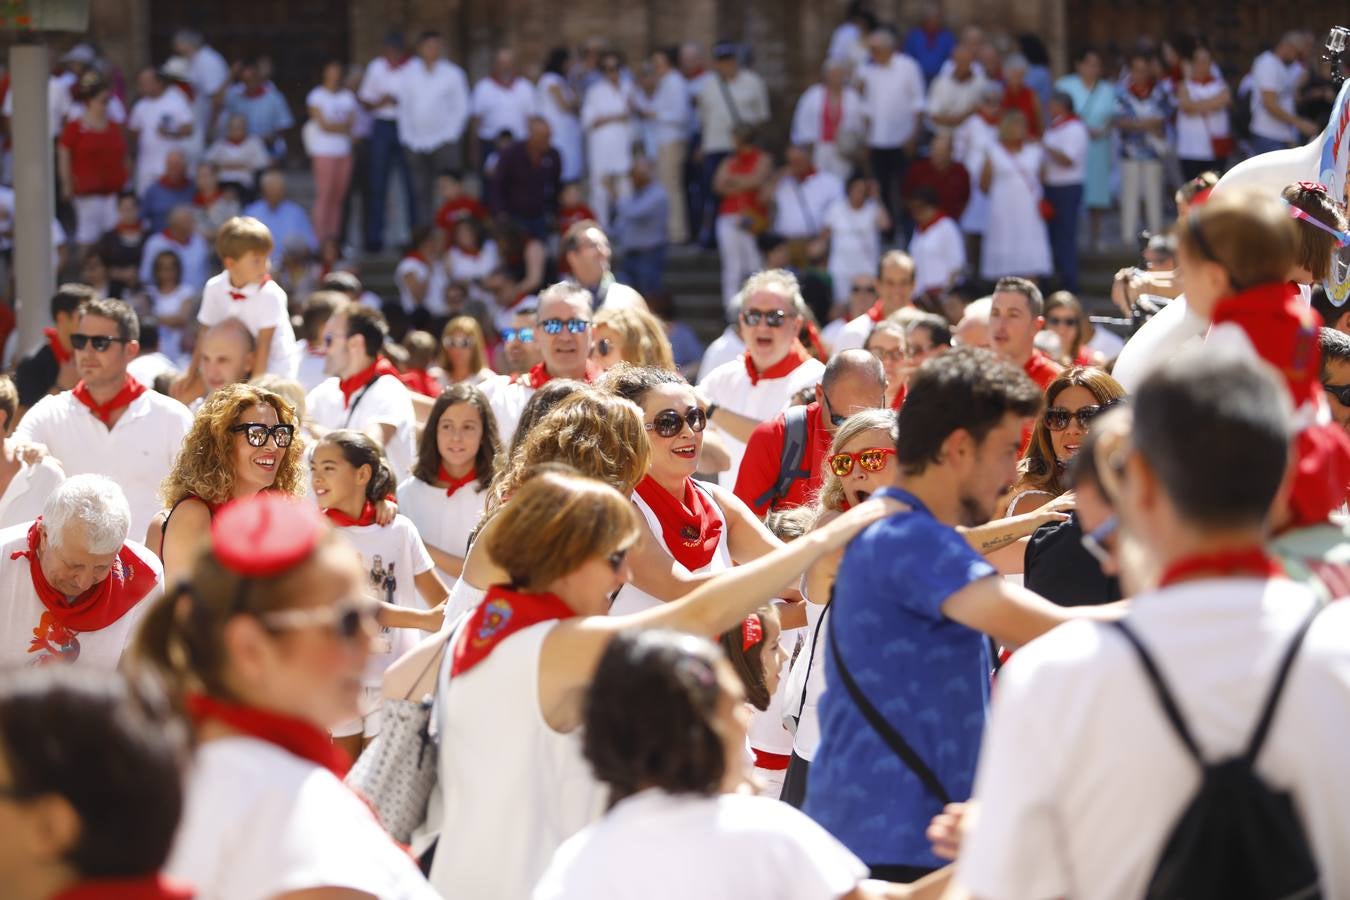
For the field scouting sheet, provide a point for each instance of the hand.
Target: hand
(1057, 510)
(31, 454)
(434, 618)
(385, 510)
(841, 530)
(947, 829)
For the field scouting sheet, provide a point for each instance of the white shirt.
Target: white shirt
(631, 598)
(264, 306)
(801, 208)
(1269, 73)
(939, 253)
(24, 622)
(194, 256)
(470, 270)
(463, 597)
(1196, 131)
(806, 118)
(950, 96)
(149, 366)
(855, 239)
(431, 273)
(443, 522)
(893, 99)
(724, 847)
(385, 401)
(670, 109)
(499, 758)
(806, 683)
(209, 74)
(724, 348)
(258, 822)
(381, 80)
(750, 97)
(337, 108)
(137, 452)
(501, 108)
(853, 335)
(310, 371)
(153, 148)
(239, 162)
(507, 397)
(729, 386)
(433, 104)
(609, 146)
(1082, 777)
(27, 492)
(1071, 138)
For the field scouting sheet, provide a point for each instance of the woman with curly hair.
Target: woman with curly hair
(242, 441)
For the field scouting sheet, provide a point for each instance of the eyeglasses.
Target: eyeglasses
(616, 559)
(862, 289)
(873, 459)
(458, 342)
(774, 318)
(1094, 541)
(524, 335)
(1057, 417)
(1056, 322)
(895, 354)
(555, 326)
(1342, 238)
(668, 422)
(256, 433)
(602, 347)
(1340, 391)
(912, 351)
(99, 342)
(346, 620)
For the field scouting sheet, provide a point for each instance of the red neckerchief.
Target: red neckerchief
(255, 92)
(1060, 120)
(1282, 330)
(1244, 561)
(131, 389)
(342, 520)
(183, 243)
(204, 200)
(876, 312)
(420, 381)
(236, 141)
(831, 113)
(503, 612)
(417, 255)
(132, 228)
(454, 484)
(992, 119)
(58, 349)
(690, 526)
(147, 887)
(1042, 369)
(899, 400)
(504, 85)
(173, 185)
(538, 376)
(1142, 91)
(349, 386)
(295, 736)
(128, 582)
(241, 293)
(936, 219)
(785, 366)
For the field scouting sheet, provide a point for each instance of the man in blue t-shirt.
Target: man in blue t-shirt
(912, 603)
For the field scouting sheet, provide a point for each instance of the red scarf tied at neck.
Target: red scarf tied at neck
(148, 887)
(538, 376)
(503, 612)
(781, 369)
(295, 736)
(349, 386)
(454, 484)
(128, 582)
(131, 389)
(1244, 562)
(342, 520)
(58, 349)
(690, 525)
(876, 312)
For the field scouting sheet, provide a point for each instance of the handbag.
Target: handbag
(397, 773)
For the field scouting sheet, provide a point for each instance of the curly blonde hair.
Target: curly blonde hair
(205, 464)
(598, 434)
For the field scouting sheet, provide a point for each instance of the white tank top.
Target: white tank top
(631, 599)
(512, 788)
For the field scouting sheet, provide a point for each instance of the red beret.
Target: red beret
(265, 534)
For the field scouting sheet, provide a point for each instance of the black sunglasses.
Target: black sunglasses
(835, 419)
(1057, 417)
(346, 620)
(603, 346)
(99, 342)
(524, 335)
(555, 326)
(1055, 322)
(256, 433)
(1340, 391)
(667, 422)
(773, 318)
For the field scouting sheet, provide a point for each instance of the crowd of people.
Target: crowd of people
(523, 594)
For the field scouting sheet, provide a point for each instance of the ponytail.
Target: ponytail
(359, 450)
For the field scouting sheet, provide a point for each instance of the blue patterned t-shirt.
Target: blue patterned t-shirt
(927, 675)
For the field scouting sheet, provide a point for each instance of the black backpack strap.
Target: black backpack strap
(894, 739)
(1277, 689)
(791, 459)
(1169, 705)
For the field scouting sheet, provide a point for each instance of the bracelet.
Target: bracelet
(709, 410)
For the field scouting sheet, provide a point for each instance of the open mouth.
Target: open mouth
(859, 496)
(1070, 449)
(687, 452)
(320, 492)
(266, 463)
(765, 342)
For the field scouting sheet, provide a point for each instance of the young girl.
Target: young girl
(757, 657)
(350, 474)
(171, 303)
(456, 461)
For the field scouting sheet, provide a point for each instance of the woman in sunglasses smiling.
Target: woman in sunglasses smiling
(242, 441)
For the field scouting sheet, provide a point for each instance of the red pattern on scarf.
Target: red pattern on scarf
(147, 887)
(342, 520)
(784, 367)
(690, 526)
(58, 349)
(1243, 562)
(453, 484)
(128, 582)
(295, 736)
(131, 389)
(349, 386)
(502, 613)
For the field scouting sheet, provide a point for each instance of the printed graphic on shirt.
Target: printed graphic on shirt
(53, 642)
(386, 585)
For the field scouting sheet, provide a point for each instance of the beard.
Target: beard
(973, 512)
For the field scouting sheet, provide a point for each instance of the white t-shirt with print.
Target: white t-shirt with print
(263, 306)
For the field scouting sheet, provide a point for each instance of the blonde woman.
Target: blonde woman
(633, 336)
(465, 358)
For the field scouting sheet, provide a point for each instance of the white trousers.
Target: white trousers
(739, 252)
(1140, 180)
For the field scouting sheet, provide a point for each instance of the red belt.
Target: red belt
(774, 762)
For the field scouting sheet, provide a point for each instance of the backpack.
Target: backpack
(792, 464)
(1238, 836)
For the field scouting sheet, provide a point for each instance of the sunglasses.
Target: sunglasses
(524, 335)
(99, 342)
(1056, 322)
(458, 342)
(602, 347)
(1094, 541)
(616, 559)
(256, 433)
(555, 326)
(668, 422)
(835, 419)
(346, 620)
(773, 318)
(873, 459)
(1057, 417)
(862, 289)
(1340, 391)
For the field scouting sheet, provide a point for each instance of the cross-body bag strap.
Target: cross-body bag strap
(811, 657)
(731, 104)
(894, 739)
(356, 401)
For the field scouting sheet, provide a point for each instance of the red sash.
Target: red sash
(58, 349)
(454, 484)
(148, 887)
(502, 613)
(128, 582)
(295, 736)
(349, 386)
(690, 528)
(784, 367)
(1248, 561)
(342, 520)
(131, 389)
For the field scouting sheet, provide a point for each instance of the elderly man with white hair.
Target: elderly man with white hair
(74, 586)
(829, 119)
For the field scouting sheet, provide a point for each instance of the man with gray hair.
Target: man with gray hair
(74, 586)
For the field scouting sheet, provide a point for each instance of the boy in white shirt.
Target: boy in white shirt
(246, 291)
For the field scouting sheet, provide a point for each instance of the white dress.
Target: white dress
(855, 244)
(1015, 241)
(563, 124)
(631, 599)
(969, 141)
